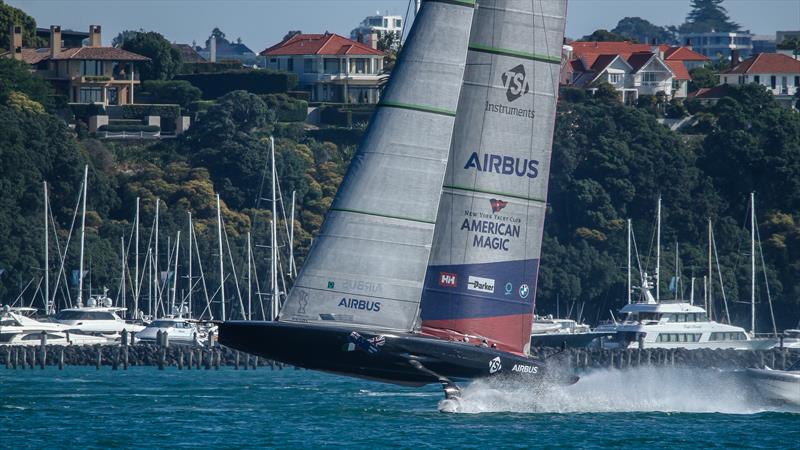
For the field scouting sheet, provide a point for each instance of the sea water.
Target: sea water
(81, 407)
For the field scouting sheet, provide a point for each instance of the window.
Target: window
(38, 336)
(308, 66)
(360, 66)
(773, 81)
(290, 64)
(725, 80)
(386, 23)
(756, 79)
(742, 79)
(90, 95)
(614, 78)
(91, 68)
(273, 60)
(649, 77)
(331, 66)
(398, 23)
(84, 315)
(797, 82)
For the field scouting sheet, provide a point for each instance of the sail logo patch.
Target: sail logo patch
(515, 82)
(363, 305)
(447, 279)
(495, 365)
(504, 165)
(481, 284)
(497, 205)
(524, 291)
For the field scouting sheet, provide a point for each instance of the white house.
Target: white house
(633, 69)
(373, 28)
(331, 67)
(779, 73)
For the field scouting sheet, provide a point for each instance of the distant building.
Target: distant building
(779, 73)
(69, 38)
(224, 50)
(90, 74)
(188, 53)
(331, 67)
(781, 36)
(373, 28)
(718, 44)
(633, 69)
(763, 44)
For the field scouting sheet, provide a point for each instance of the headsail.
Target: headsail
(368, 264)
(481, 279)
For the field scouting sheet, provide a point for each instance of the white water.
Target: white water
(638, 389)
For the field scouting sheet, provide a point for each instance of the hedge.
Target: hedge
(215, 85)
(300, 95)
(131, 128)
(287, 109)
(336, 116)
(83, 111)
(140, 111)
(170, 92)
(208, 67)
(341, 136)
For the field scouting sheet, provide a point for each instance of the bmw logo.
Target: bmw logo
(524, 290)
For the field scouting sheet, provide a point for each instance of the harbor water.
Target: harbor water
(651, 407)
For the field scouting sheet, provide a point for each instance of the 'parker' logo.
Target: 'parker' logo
(515, 83)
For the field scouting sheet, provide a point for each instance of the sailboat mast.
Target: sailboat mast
(677, 276)
(752, 263)
(191, 280)
(221, 268)
(292, 271)
(658, 250)
(136, 285)
(710, 283)
(155, 265)
(175, 273)
(691, 294)
(274, 242)
(249, 279)
(83, 235)
(122, 269)
(46, 254)
(629, 261)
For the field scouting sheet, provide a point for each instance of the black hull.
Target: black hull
(387, 358)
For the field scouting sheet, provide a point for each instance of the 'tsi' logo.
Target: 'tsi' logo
(495, 365)
(515, 83)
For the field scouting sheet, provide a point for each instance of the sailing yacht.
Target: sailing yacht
(425, 269)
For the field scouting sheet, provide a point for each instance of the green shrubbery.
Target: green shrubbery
(140, 111)
(133, 128)
(215, 85)
(172, 92)
(287, 109)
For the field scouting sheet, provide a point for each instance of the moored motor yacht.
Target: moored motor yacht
(18, 329)
(98, 316)
(676, 324)
(179, 331)
(547, 331)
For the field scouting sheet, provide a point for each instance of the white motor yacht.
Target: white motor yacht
(782, 386)
(98, 316)
(18, 329)
(547, 331)
(179, 331)
(675, 324)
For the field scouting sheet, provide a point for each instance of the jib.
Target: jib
(355, 303)
(505, 165)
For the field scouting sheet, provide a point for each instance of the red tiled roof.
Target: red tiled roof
(683, 54)
(319, 44)
(767, 63)
(711, 93)
(638, 60)
(678, 70)
(100, 53)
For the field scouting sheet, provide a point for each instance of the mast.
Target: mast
(83, 235)
(677, 272)
(691, 294)
(249, 279)
(710, 280)
(46, 254)
(122, 269)
(753, 263)
(175, 274)
(274, 240)
(191, 280)
(136, 285)
(292, 270)
(629, 261)
(221, 267)
(658, 250)
(157, 275)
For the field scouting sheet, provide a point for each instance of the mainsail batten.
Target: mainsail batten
(368, 264)
(482, 275)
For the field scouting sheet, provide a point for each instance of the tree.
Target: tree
(290, 34)
(707, 15)
(15, 76)
(125, 35)
(173, 91)
(640, 30)
(165, 60)
(604, 36)
(703, 77)
(219, 35)
(10, 16)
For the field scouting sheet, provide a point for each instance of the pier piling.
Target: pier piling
(61, 359)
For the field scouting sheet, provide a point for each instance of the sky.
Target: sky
(262, 23)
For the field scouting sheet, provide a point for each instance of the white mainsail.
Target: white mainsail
(482, 274)
(368, 264)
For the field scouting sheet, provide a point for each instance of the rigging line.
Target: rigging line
(766, 280)
(719, 272)
(58, 248)
(66, 246)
